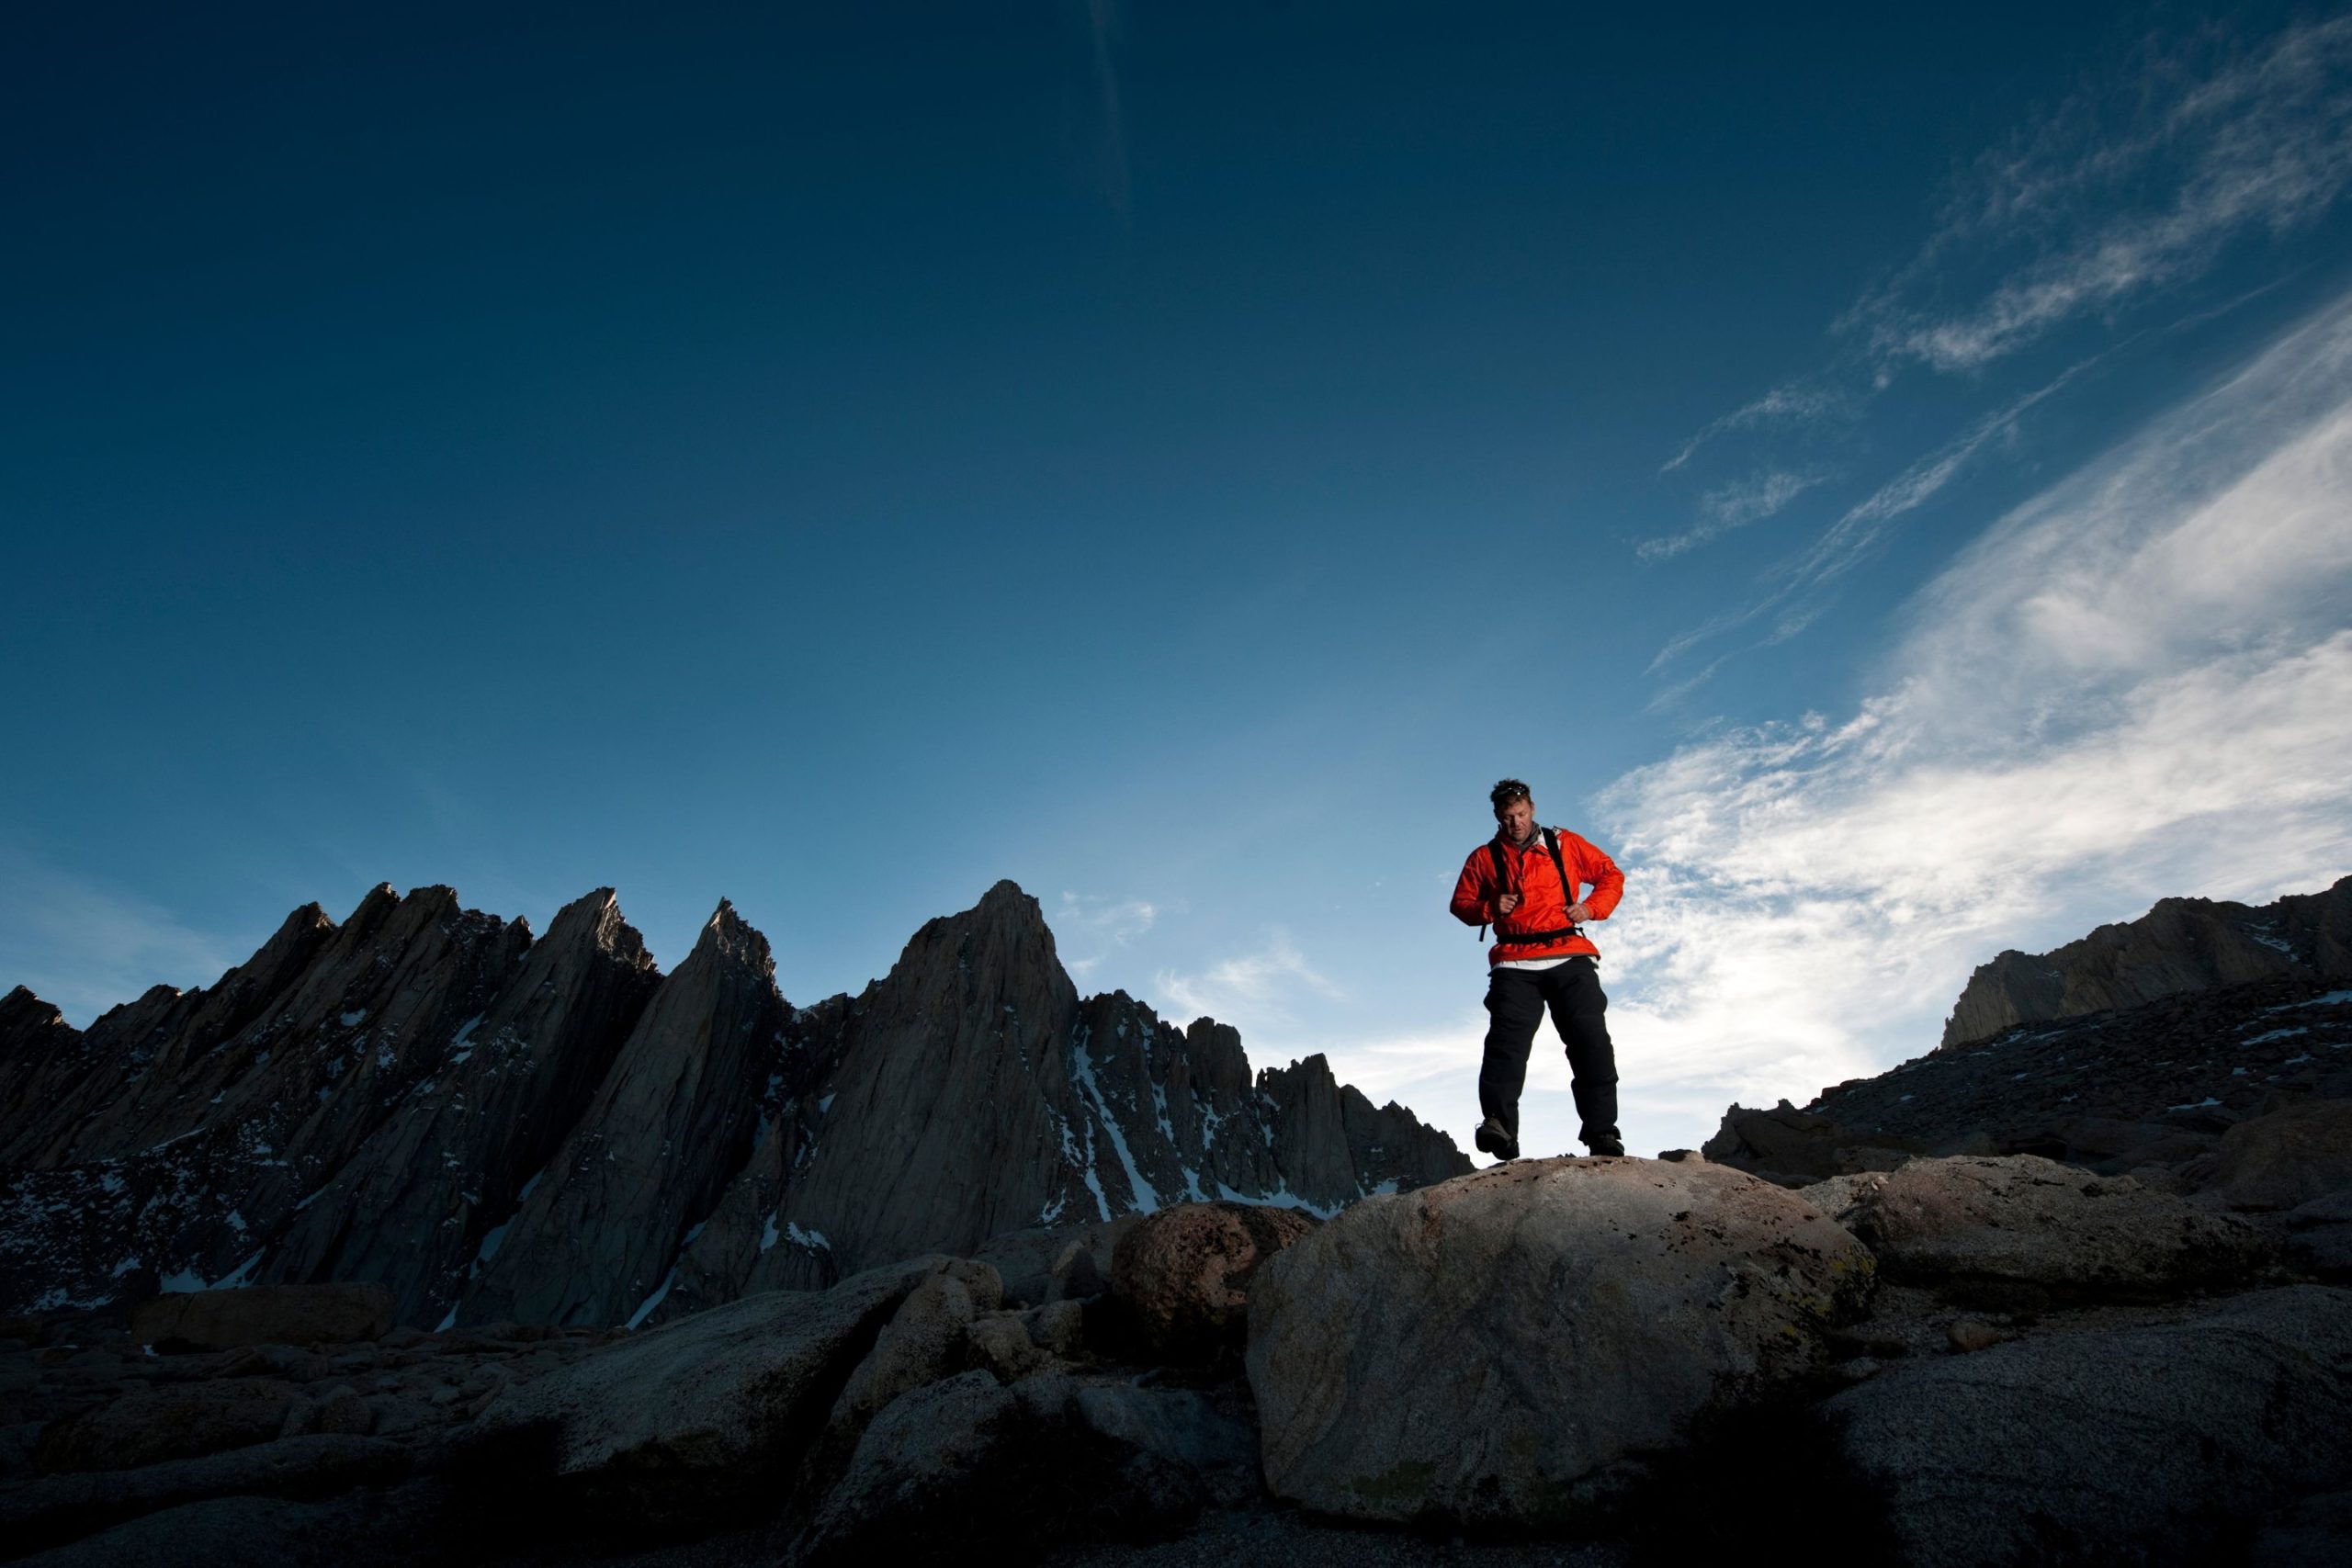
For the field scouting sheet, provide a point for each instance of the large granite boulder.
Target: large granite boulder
(969, 1469)
(1493, 1347)
(60, 1507)
(1056, 1263)
(264, 1315)
(925, 1341)
(2319, 1236)
(2020, 1220)
(1183, 1274)
(707, 1412)
(2287, 1158)
(148, 1426)
(2106, 1445)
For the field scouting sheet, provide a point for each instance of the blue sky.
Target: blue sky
(1888, 481)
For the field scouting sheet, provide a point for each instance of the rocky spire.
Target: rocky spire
(420, 1207)
(672, 1120)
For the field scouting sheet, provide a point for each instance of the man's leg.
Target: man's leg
(1514, 1007)
(1579, 1010)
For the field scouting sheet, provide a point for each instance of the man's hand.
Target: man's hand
(1579, 914)
(1506, 902)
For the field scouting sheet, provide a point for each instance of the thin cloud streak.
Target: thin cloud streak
(1731, 507)
(1101, 18)
(1791, 404)
(1847, 542)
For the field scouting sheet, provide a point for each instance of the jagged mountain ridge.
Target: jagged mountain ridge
(2181, 945)
(551, 1131)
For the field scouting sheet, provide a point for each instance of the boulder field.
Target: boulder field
(1967, 1359)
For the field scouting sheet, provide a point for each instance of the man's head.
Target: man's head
(1514, 810)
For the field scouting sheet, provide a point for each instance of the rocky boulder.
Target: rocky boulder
(59, 1507)
(702, 1414)
(1183, 1274)
(968, 1468)
(264, 1315)
(2287, 1159)
(1057, 1262)
(1494, 1348)
(2105, 1447)
(925, 1341)
(2020, 1221)
(181, 1421)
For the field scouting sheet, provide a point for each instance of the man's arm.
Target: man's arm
(1600, 873)
(1473, 902)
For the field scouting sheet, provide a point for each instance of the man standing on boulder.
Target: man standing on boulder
(1523, 882)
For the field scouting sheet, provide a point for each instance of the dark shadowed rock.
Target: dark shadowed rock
(1057, 1263)
(707, 1412)
(2025, 1221)
(2287, 1158)
(968, 1468)
(175, 1421)
(922, 1343)
(1487, 1349)
(60, 1507)
(2319, 1236)
(1184, 1273)
(2103, 1447)
(2182, 945)
(264, 1315)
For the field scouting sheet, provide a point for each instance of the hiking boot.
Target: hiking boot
(1492, 1138)
(1613, 1147)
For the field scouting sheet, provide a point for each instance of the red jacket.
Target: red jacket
(1543, 902)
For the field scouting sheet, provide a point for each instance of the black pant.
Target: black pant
(1515, 1000)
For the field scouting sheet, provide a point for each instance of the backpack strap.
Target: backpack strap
(1502, 875)
(1567, 888)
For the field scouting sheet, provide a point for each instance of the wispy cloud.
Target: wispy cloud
(2133, 685)
(86, 946)
(1253, 990)
(1118, 919)
(1794, 404)
(2098, 204)
(1731, 506)
(1793, 588)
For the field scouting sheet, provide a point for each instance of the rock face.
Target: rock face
(2182, 945)
(2100, 1446)
(494, 1128)
(1489, 1348)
